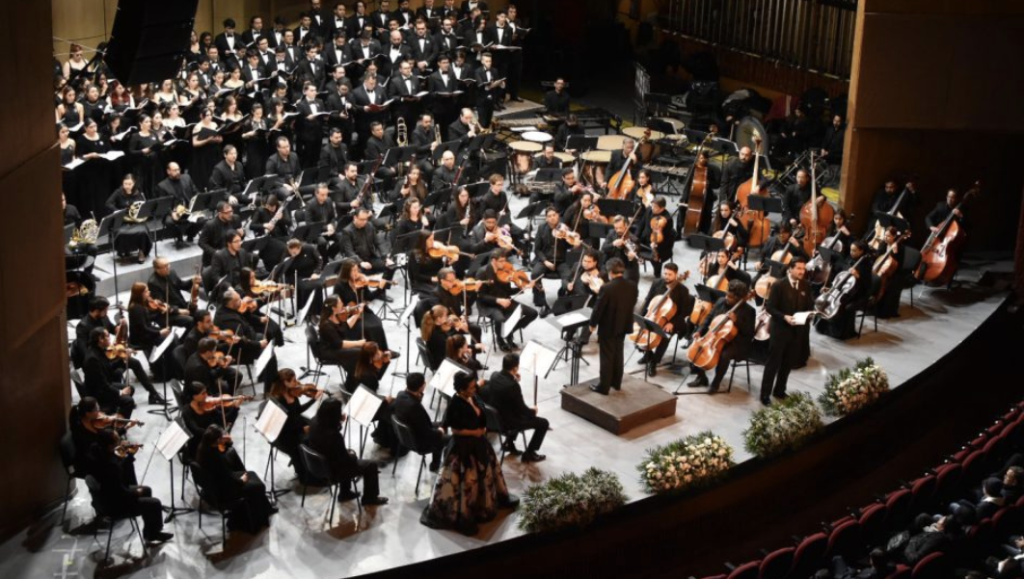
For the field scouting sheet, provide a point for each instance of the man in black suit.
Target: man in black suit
(495, 301)
(670, 283)
(381, 16)
(201, 366)
(359, 242)
(615, 246)
(365, 97)
(557, 101)
(285, 167)
(227, 264)
(504, 393)
(338, 52)
(179, 187)
(446, 40)
(443, 104)
(551, 255)
(214, 235)
(403, 88)
(463, 128)
(739, 348)
(408, 408)
(255, 33)
(310, 130)
(333, 156)
(395, 53)
(165, 285)
(490, 90)
(227, 42)
(787, 297)
(101, 380)
(252, 342)
(229, 174)
(424, 51)
(470, 5)
(612, 318)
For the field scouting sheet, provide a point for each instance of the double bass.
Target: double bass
(939, 253)
(755, 222)
(878, 233)
(622, 181)
(698, 190)
(661, 313)
(705, 351)
(815, 219)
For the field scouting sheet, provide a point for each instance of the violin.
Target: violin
(468, 285)
(214, 402)
(593, 213)
(352, 308)
(381, 359)
(155, 305)
(363, 282)
(249, 304)
(449, 252)
(658, 224)
(563, 232)
(222, 335)
(268, 287)
(220, 359)
(105, 420)
(127, 448)
(646, 194)
(593, 281)
(119, 352)
(310, 390)
(507, 273)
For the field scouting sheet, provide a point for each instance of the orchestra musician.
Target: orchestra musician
(787, 297)
(566, 192)
(147, 324)
(408, 408)
(738, 348)
(102, 381)
(679, 324)
(942, 211)
(840, 227)
(613, 316)
(275, 223)
(232, 482)
(325, 437)
(166, 286)
(285, 167)
(726, 221)
(113, 467)
(796, 196)
(442, 293)
(371, 365)
(458, 348)
(351, 289)
(286, 393)
(359, 242)
(423, 268)
(622, 245)
(581, 214)
(495, 301)
(713, 180)
(843, 326)
(486, 236)
(230, 317)
(131, 238)
(885, 200)
(338, 325)
(179, 187)
(347, 192)
(547, 158)
(115, 368)
(550, 256)
(888, 291)
(444, 175)
(737, 171)
(227, 265)
(571, 127)
(435, 329)
(619, 160)
(505, 394)
(211, 368)
(215, 233)
(661, 252)
(321, 210)
(556, 100)
(785, 242)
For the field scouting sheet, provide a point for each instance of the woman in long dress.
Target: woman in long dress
(130, 238)
(205, 149)
(470, 487)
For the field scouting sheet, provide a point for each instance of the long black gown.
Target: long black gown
(94, 179)
(256, 149)
(147, 168)
(204, 158)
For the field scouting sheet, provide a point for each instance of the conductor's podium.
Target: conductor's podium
(621, 410)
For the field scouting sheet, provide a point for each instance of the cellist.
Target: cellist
(887, 304)
(783, 242)
(796, 196)
(739, 348)
(843, 325)
(671, 284)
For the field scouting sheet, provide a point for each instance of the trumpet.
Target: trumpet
(402, 133)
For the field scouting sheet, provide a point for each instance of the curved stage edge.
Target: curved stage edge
(764, 503)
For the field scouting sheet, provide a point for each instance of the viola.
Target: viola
(155, 305)
(507, 273)
(364, 282)
(563, 232)
(593, 281)
(105, 420)
(119, 352)
(310, 390)
(468, 285)
(593, 213)
(214, 402)
(248, 305)
(219, 359)
(350, 309)
(658, 224)
(127, 448)
(381, 359)
(222, 335)
(268, 287)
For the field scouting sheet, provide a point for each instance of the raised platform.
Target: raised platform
(620, 411)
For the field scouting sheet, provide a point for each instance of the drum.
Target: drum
(537, 137)
(591, 161)
(522, 155)
(610, 142)
(649, 150)
(676, 124)
(566, 158)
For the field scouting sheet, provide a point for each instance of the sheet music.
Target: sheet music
(536, 358)
(159, 350)
(407, 313)
(305, 308)
(572, 318)
(363, 406)
(264, 359)
(171, 441)
(112, 155)
(801, 318)
(310, 412)
(512, 320)
(443, 379)
(74, 164)
(272, 421)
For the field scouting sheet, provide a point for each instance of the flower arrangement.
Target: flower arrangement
(854, 388)
(784, 425)
(691, 462)
(570, 500)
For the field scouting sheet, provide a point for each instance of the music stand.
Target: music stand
(441, 148)
(399, 155)
(612, 207)
(477, 190)
(161, 208)
(580, 143)
(548, 175)
(652, 328)
(892, 221)
(442, 195)
(310, 231)
(567, 324)
(109, 226)
(767, 205)
(775, 268)
(208, 201)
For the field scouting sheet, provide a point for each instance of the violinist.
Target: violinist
(670, 283)
(301, 270)
(273, 221)
(253, 289)
(230, 317)
(581, 214)
(796, 196)
(166, 286)
(551, 246)
(567, 192)
(657, 231)
(227, 265)
(371, 366)
(780, 248)
(505, 394)
(458, 348)
(98, 318)
(286, 393)
(85, 426)
(497, 199)
(447, 283)
(588, 280)
(211, 368)
(119, 492)
(496, 302)
(487, 236)
(232, 482)
(204, 410)
(843, 326)
(622, 245)
(739, 348)
(147, 320)
(788, 342)
(359, 242)
(424, 268)
(337, 324)
(103, 382)
(727, 225)
(325, 437)
(435, 329)
(889, 290)
(352, 288)
(203, 328)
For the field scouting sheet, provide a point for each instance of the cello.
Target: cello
(661, 313)
(885, 266)
(755, 222)
(698, 190)
(621, 183)
(814, 219)
(878, 233)
(705, 351)
(832, 299)
(939, 252)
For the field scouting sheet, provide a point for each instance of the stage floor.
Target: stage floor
(298, 544)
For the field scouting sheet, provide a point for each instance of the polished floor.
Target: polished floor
(301, 543)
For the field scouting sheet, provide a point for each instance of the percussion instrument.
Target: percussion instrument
(522, 155)
(649, 149)
(591, 161)
(610, 143)
(537, 137)
(567, 158)
(676, 124)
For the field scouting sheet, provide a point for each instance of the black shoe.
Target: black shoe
(157, 399)
(618, 388)
(347, 495)
(511, 449)
(766, 401)
(159, 537)
(179, 243)
(502, 345)
(434, 468)
(596, 388)
(468, 529)
(781, 395)
(395, 355)
(545, 312)
(698, 382)
(512, 346)
(652, 370)
(642, 360)
(375, 501)
(531, 456)
(273, 510)
(517, 99)
(511, 502)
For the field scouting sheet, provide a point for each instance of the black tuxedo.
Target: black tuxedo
(409, 410)
(360, 99)
(445, 108)
(487, 98)
(738, 348)
(314, 72)
(613, 317)
(504, 393)
(334, 55)
(309, 133)
(389, 64)
(223, 47)
(427, 53)
(785, 345)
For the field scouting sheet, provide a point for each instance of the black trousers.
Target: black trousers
(538, 425)
(539, 270)
(150, 509)
(610, 349)
(659, 351)
(498, 316)
(783, 355)
(729, 353)
(371, 479)
(135, 366)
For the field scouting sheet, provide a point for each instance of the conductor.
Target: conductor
(613, 319)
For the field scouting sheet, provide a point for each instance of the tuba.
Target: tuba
(402, 133)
